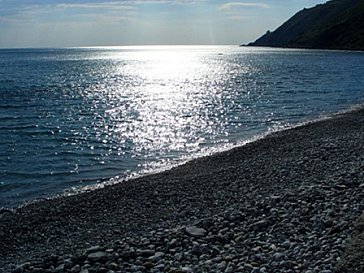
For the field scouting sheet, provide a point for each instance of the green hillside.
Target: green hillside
(338, 24)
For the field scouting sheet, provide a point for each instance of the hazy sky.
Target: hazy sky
(58, 23)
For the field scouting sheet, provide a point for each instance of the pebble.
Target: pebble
(147, 253)
(156, 257)
(196, 232)
(221, 266)
(97, 256)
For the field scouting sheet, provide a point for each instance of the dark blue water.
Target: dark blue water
(71, 118)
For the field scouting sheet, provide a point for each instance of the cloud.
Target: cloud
(36, 12)
(11, 7)
(232, 6)
(165, 1)
(32, 12)
(102, 5)
(238, 18)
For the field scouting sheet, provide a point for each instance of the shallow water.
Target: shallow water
(82, 116)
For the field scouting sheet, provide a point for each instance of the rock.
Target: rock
(127, 255)
(147, 252)
(6, 210)
(196, 250)
(273, 247)
(257, 249)
(156, 257)
(76, 268)
(249, 266)
(286, 264)
(68, 264)
(172, 243)
(261, 224)
(22, 267)
(97, 256)
(102, 269)
(286, 244)
(221, 266)
(148, 265)
(113, 266)
(239, 238)
(196, 232)
(160, 267)
(278, 256)
(59, 268)
(93, 249)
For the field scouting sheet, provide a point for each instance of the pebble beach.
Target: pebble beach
(289, 202)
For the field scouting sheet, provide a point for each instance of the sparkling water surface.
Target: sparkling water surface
(77, 117)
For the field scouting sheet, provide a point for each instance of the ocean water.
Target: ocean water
(79, 117)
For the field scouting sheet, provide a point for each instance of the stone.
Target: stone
(257, 249)
(37, 270)
(286, 244)
(68, 264)
(172, 242)
(160, 267)
(261, 224)
(147, 252)
(127, 255)
(113, 266)
(196, 232)
(156, 257)
(221, 266)
(97, 256)
(273, 247)
(23, 266)
(148, 265)
(239, 238)
(76, 268)
(60, 267)
(278, 256)
(93, 249)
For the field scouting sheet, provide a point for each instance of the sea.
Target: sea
(75, 119)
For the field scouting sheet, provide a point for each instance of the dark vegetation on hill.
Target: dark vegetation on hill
(337, 24)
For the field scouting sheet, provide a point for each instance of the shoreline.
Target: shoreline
(256, 183)
(179, 162)
(307, 48)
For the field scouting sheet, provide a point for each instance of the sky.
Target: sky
(68, 23)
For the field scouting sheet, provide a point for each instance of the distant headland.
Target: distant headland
(337, 24)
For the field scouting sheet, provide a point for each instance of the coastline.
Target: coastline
(306, 48)
(298, 190)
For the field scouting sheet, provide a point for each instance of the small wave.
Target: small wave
(34, 175)
(19, 127)
(7, 81)
(38, 132)
(11, 118)
(8, 187)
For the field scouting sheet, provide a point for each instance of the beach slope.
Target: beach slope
(284, 203)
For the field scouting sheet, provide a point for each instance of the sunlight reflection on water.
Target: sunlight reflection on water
(170, 108)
